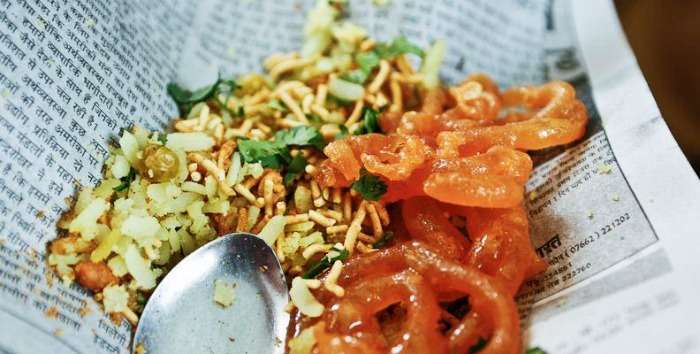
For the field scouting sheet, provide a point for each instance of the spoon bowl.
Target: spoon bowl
(182, 317)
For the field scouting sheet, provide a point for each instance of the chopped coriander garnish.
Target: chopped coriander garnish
(275, 154)
(271, 154)
(302, 135)
(370, 122)
(368, 61)
(535, 350)
(344, 132)
(398, 46)
(185, 99)
(240, 112)
(325, 262)
(386, 237)
(126, 181)
(370, 186)
(480, 344)
(277, 105)
(294, 170)
(357, 76)
(163, 138)
(314, 119)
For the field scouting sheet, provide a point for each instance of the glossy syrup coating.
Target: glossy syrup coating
(461, 155)
(415, 275)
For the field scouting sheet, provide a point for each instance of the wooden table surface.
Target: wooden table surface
(665, 36)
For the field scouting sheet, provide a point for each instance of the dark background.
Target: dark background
(665, 37)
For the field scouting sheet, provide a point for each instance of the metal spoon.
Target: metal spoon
(182, 317)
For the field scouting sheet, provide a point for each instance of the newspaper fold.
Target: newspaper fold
(614, 214)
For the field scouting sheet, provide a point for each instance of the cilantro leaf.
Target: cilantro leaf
(126, 181)
(240, 112)
(367, 60)
(277, 105)
(270, 154)
(398, 46)
(386, 237)
(344, 132)
(185, 99)
(302, 135)
(163, 138)
(225, 87)
(370, 186)
(357, 76)
(535, 350)
(184, 96)
(275, 154)
(325, 262)
(370, 122)
(294, 170)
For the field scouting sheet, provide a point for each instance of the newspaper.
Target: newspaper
(613, 214)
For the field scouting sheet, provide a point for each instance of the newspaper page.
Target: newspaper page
(612, 214)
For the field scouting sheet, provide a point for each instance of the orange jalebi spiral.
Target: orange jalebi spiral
(354, 316)
(393, 156)
(426, 222)
(500, 244)
(371, 285)
(558, 118)
(460, 155)
(493, 179)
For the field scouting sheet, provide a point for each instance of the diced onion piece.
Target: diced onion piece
(180, 203)
(115, 298)
(348, 33)
(105, 247)
(250, 169)
(317, 29)
(223, 293)
(140, 227)
(345, 90)
(199, 220)
(273, 229)
(193, 187)
(303, 299)
(302, 198)
(141, 134)
(311, 239)
(139, 268)
(186, 241)
(210, 186)
(253, 214)
(129, 145)
(216, 206)
(234, 170)
(182, 171)
(291, 244)
(120, 167)
(195, 141)
(117, 265)
(106, 188)
(85, 197)
(303, 343)
(301, 227)
(86, 222)
(431, 64)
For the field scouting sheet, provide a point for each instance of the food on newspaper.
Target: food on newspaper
(394, 204)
